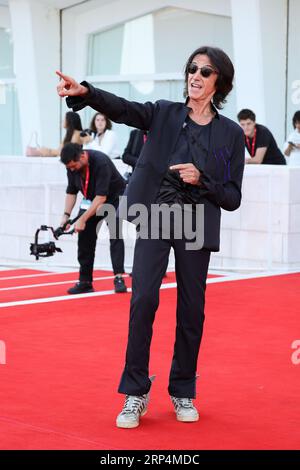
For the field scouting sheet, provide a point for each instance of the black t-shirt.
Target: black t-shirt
(173, 189)
(104, 179)
(264, 138)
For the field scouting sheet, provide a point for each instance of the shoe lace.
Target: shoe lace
(184, 403)
(133, 404)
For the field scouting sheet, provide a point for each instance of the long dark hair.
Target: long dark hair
(108, 124)
(223, 65)
(296, 118)
(73, 122)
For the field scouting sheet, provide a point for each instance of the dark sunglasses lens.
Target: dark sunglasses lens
(192, 68)
(206, 72)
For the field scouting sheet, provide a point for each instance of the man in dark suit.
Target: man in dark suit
(193, 156)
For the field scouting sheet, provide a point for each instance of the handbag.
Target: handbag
(33, 151)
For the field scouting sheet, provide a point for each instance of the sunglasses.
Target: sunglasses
(204, 71)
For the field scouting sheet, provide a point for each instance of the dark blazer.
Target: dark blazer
(133, 148)
(222, 168)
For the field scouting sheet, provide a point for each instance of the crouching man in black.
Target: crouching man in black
(94, 174)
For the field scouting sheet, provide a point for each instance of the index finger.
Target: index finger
(61, 75)
(180, 166)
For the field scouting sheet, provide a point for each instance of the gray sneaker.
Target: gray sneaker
(134, 407)
(185, 410)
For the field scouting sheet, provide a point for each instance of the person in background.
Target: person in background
(259, 141)
(73, 127)
(193, 155)
(103, 138)
(94, 174)
(292, 146)
(134, 146)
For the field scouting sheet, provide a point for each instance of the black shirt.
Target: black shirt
(173, 189)
(264, 138)
(104, 179)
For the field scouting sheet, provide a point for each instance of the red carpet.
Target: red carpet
(50, 285)
(64, 359)
(18, 272)
(40, 277)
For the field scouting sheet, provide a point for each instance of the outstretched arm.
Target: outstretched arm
(117, 109)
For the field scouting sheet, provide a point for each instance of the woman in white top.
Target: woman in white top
(103, 138)
(292, 146)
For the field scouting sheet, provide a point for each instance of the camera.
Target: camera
(86, 132)
(43, 250)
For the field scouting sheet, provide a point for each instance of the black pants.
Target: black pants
(149, 266)
(87, 245)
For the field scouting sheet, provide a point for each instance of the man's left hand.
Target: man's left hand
(80, 225)
(188, 173)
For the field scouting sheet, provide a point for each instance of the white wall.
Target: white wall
(4, 17)
(273, 20)
(259, 37)
(263, 234)
(9, 112)
(36, 38)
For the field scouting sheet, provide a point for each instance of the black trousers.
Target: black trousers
(149, 266)
(87, 245)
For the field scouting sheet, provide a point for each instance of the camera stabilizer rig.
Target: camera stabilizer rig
(43, 250)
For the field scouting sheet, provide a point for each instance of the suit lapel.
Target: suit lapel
(176, 126)
(168, 138)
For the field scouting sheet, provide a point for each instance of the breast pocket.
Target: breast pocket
(219, 163)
